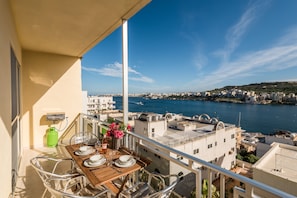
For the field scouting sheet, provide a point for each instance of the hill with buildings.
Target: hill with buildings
(256, 93)
(268, 87)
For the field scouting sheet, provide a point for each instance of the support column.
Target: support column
(125, 70)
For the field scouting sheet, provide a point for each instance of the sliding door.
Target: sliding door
(15, 116)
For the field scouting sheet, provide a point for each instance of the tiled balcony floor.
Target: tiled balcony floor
(29, 185)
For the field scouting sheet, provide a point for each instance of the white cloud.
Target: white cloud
(282, 55)
(115, 70)
(236, 32)
(200, 60)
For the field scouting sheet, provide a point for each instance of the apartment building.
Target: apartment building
(97, 104)
(277, 168)
(202, 137)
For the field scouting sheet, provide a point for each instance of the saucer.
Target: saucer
(87, 152)
(90, 164)
(128, 164)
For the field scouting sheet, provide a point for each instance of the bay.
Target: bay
(254, 118)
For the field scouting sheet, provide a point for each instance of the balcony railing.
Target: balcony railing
(137, 143)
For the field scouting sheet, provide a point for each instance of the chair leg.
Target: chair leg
(43, 194)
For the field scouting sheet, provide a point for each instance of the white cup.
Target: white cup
(83, 149)
(124, 159)
(95, 158)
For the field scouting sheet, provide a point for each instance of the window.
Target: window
(224, 139)
(232, 136)
(153, 130)
(179, 157)
(195, 151)
(209, 146)
(157, 156)
(216, 143)
(180, 174)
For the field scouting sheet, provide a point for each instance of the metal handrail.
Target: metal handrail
(163, 150)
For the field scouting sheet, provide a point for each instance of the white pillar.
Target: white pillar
(125, 70)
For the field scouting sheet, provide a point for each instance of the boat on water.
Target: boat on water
(137, 103)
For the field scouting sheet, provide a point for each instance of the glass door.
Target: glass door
(15, 117)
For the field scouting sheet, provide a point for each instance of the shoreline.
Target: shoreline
(226, 100)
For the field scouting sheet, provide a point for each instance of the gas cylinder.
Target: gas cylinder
(52, 137)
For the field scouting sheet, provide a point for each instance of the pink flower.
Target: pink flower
(117, 130)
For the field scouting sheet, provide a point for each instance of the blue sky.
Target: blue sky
(198, 45)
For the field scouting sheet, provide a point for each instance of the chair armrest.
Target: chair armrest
(143, 187)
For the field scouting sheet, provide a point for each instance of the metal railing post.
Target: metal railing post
(209, 178)
(198, 184)
(222, 185)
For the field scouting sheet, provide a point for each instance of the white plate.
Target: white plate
(128, 164)
(89, 164)
(89, 151)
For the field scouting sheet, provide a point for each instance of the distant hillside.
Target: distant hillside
(268, 87)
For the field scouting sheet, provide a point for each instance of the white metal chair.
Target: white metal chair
(87, 138)
(52, 168)
(61, 175)
(80, 190)
(156, 186)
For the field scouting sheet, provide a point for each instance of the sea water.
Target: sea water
(252, 118)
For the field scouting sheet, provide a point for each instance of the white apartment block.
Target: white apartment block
(96, 104)
(278, 169)
(201, 136)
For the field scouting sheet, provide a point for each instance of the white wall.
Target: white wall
(84, 102)
(50, 83)
(280, 183)
(218, 153)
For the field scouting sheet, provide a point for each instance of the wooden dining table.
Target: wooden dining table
(105, 174)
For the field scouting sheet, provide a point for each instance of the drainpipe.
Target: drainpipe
(125, 70)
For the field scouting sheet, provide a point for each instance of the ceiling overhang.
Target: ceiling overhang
(69, 27)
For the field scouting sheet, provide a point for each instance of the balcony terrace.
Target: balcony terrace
(42, 43)
(29, 184)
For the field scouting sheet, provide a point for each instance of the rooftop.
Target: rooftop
(196, 130)
(278, 161)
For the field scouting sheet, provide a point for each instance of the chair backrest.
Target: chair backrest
(80, 190)
(51, 186)
(84, 137)
(51, 168)
(152, 185)
(166, 190)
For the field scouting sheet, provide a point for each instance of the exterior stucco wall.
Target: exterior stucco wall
(218, 148)
(51, 83)
(8, 40)
(274, 181)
